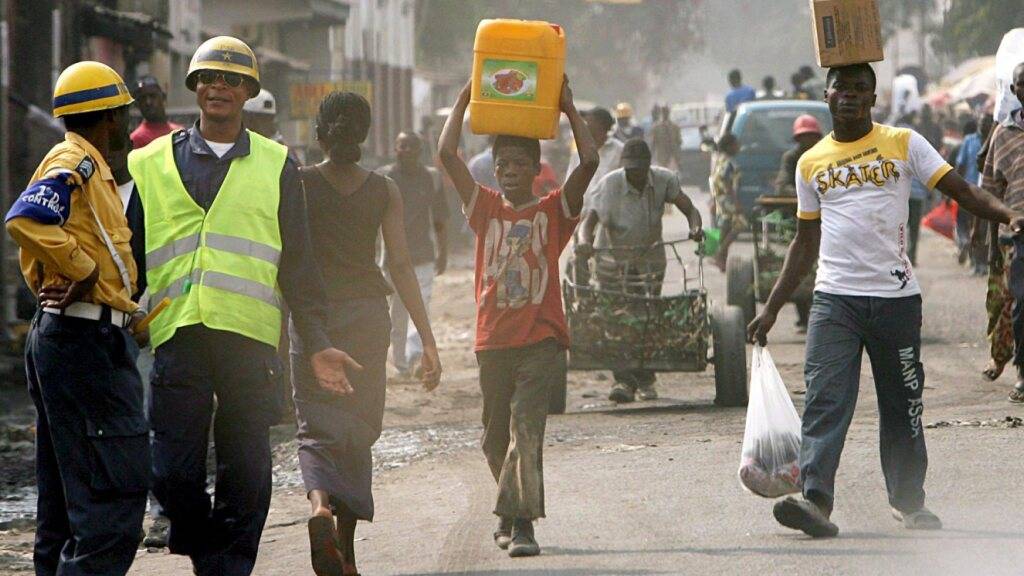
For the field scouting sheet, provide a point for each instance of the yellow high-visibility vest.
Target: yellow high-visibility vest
(219, 267)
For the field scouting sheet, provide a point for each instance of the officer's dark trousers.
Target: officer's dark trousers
(840, 329)
(92, 446)
(191, 369)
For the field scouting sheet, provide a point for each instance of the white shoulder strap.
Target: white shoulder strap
(122, 268)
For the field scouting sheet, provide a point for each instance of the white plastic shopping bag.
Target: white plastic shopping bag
(769, 463)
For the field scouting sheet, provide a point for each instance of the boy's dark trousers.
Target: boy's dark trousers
(516, 383)
(92, 445)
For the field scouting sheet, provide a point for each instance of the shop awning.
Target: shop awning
(140, 31)
(228, 13)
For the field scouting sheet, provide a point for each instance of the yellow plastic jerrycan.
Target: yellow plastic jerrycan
(517, 78)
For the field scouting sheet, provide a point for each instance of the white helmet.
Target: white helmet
(262, 103)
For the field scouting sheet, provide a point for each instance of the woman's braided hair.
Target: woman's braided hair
(342, 123)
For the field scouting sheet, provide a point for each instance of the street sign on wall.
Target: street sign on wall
(305, 97)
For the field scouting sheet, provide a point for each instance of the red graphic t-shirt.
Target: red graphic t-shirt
(517, 295)
(149, 131)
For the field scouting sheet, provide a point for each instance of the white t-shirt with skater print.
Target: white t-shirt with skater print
(861, 192)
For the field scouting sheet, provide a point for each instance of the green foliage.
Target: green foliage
(975, 27)
(613, 50)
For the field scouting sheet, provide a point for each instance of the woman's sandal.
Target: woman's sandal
(324, 547)
(1016, 396)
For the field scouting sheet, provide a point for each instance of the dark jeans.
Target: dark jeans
(516, 383)
(914, 227)
(841, 328)
(191, 369)
(92, 446)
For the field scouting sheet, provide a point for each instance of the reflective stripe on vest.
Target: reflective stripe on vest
(220, 281)
(189, 244)
(218, 267)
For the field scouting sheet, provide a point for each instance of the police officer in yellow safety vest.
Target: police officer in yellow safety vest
(92, 440)
(227, 242)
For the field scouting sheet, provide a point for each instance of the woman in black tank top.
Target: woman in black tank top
(348, 206)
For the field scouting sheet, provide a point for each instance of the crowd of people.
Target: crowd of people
(219, 227)
(805, 86)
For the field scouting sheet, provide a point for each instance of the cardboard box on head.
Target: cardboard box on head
(846, 32)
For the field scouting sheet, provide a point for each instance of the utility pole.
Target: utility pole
(8, 285)
(56, 45)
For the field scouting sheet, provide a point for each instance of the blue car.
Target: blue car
(765, 131)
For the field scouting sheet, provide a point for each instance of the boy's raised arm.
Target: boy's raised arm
(448, 148)
(578, 182)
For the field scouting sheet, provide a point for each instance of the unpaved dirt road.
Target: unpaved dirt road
(651, 488)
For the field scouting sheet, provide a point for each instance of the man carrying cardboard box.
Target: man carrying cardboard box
(853, 191)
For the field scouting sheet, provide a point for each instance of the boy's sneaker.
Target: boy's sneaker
(923, 519)
(503, 535)
(805, 516)
(523, 542)
(647, 392)
(621, 394)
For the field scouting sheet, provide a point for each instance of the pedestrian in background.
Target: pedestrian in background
(866, 298)
(1003, 176)
(156, 535)
(625, 127)
(521, 333)
(998, 302)
(259, 114)
(625, 211)
(806, 134)
(967, 166)
(725, 186)
(481, 166)
(226, 240)
(929, 128)
(92, 443)
(425, 210)
(599, 123)
(738, 91)
(349, 206)
(666, 140)
(920, 195)
(152, 102)
(768, 90)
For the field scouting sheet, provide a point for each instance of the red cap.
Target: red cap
(806, 124)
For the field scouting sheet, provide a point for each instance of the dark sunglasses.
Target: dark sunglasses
(230, 78)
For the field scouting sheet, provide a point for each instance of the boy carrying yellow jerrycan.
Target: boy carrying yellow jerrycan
(517, 78)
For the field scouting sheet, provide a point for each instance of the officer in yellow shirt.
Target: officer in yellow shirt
(92, 442)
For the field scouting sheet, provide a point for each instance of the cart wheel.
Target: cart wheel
(727, 330)
(739, 285)
(559, 392)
